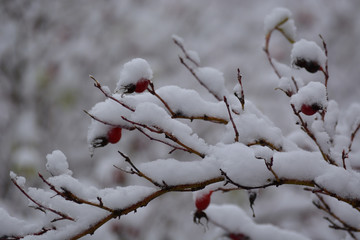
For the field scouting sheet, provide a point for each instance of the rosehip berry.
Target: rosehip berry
(142, 85)
(237, 236)
(310, 109)
(203, 201)
(114, 135)
(309, 65)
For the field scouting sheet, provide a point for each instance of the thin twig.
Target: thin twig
(136, 171)
(107, 123)
(63, 215)
(242, 96)
(305, 128)
(153, 92)
(326, 70)
(98, 85)
(232, 120)
(187, 56)
(198, 79)
(168, 135)
(68, 195)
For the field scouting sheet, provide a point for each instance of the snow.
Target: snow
(278, 15)
(301, 165)
(331, 118)
(352, 116)
(241, 165)
(309, 51)
(174, 172)
(11, 226)
(214, 80)
(312, 93)
(235, 220)
(189, 103)
(194, 56)
(177, 38)
(57, 163)
(19, 179)
(346, 184)
(252, 128)
(151, 114)
(133, 71)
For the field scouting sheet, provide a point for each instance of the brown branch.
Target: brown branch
(305, 128)
(267, 43)
(205, 118)
(107, 123)
(232, 121)
(265, 143)
(161, 141)
(168, 135)
(42, 207)
(98, 85)
(179, 115)
(242, 95)
(142, 203)
(326, 208)
(153, 92)
(68, 195)
(326, 70)
(135, 170)
(187, 56)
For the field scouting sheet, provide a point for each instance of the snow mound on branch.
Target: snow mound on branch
(312, 93)
(133, 71)
(151, 114)
(10, 226)
(57, 163)
(278, 16)
(214, 80)
(309, 51)
(189, 103)
(235, 220)
(174, 172)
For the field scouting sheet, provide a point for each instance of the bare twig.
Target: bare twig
(191, 70)
(187, 56)
(98, 85)
(265, 143)
(62, 215)
(68, 195)
(232, 121)
(136, 171)
(305, 128)
(326, 70)
(179, 115)
(242, 96)
(107, 123)
(322, 205)
(168, 135)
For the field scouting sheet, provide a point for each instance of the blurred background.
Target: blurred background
(49, 48)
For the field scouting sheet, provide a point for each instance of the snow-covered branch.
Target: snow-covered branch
(249, 152)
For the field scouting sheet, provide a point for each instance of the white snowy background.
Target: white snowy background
(48, 49)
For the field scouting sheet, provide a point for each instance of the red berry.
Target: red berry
(203, 201)
(310, 109)
(114, 135)
(237, 236)
(141, 85)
